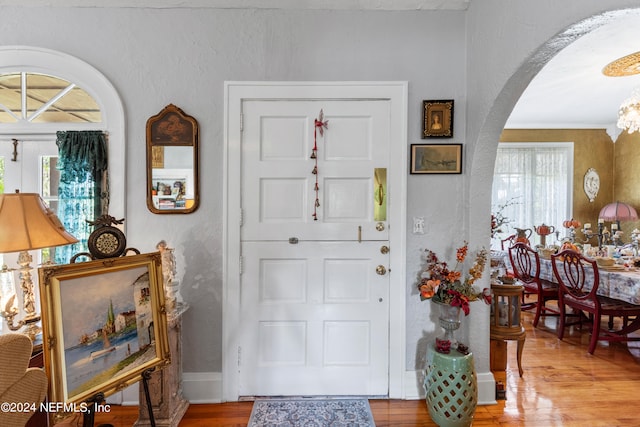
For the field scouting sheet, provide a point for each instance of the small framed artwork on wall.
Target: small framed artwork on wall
(436, 158)
(437, 119)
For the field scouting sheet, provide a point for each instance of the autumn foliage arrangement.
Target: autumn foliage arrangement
(447, 285)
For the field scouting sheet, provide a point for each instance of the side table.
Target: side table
(165, 386)
(451, 388)
(506, 323)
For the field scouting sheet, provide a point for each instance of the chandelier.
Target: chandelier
(629, 113)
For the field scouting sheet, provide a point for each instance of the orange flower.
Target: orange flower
(453, 276)
(461, 253)
(429, 289)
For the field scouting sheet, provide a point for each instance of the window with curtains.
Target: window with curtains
(68, 168)
(532, 185)
(82, 191)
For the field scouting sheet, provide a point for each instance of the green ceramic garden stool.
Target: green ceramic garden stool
(451, 388)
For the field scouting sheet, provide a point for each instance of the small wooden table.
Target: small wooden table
(506, 323)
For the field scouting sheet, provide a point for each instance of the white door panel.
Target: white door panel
(278, 185)
(314, 319)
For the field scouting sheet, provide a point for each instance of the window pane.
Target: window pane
(62, 102)
(76, 106)
(10, 97)
(531, 186)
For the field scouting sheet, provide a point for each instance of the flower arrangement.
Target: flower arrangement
(445, 285)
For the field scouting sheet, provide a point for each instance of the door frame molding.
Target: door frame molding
(235, 93)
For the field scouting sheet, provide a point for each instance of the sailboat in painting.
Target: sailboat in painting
(106, 347)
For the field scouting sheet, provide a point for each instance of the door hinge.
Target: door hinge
(241, 122)
(239, 355)
(241, 217)
(241, 264)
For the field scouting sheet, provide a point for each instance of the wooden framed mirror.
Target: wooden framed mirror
(172, 162)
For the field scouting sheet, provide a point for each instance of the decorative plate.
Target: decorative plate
(591, 184)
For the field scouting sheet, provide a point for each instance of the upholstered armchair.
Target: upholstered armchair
(19, 383)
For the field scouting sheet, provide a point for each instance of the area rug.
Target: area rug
(311, 412)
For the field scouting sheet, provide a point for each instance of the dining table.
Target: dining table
(618, 282)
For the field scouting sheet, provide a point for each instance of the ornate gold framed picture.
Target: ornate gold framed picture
(437, 119)
(436, 158)
(104, 324)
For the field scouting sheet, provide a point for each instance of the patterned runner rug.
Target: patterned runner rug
(311, 412)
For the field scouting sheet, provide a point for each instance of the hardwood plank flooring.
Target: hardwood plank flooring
(562, 385)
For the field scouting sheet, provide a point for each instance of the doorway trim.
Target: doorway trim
(235, 93)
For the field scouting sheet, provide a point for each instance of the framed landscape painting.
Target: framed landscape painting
(436, 158)
(104, 324)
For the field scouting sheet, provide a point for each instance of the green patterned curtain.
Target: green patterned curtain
(83, 166)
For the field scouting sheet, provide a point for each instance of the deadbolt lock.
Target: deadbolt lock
(381, 270)
(380, 226)
(384, 249)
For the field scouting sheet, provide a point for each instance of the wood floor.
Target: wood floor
(562, 385)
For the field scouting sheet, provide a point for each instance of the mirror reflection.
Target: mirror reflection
(172, 162)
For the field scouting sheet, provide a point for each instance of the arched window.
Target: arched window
(43, 92)
(42, 98)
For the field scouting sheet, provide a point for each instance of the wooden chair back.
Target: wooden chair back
(577, 275)
(525, 263)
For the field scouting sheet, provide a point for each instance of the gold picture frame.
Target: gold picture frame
(436, 158)
(437, 118)
(104, 324)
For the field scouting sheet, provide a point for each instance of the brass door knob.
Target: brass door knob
(381, 270)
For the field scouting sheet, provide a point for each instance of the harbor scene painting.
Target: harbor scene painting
(106, 327)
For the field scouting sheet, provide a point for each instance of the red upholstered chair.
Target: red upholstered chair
(525, 263)
(579, 290)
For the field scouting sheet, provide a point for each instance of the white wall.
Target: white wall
(155, 57)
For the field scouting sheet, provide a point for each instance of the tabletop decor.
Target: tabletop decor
(450, 291)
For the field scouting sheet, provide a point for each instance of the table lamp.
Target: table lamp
(26, 223)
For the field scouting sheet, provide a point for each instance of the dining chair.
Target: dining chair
(579, 290)
(525, 263)
(508, 240)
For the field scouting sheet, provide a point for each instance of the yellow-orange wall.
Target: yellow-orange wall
(617, 164)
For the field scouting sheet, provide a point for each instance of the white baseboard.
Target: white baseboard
(206, 387)
(202, 387)
(197, 387)
(413, 389)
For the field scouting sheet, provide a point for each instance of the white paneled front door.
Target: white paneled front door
(313, 306)
(314, 282)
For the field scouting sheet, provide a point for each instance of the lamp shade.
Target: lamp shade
(618, 211)
(27, 223)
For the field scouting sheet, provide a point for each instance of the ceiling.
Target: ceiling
(572, 92)
(254, 4)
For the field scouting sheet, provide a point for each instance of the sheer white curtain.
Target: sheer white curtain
(532, 184)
